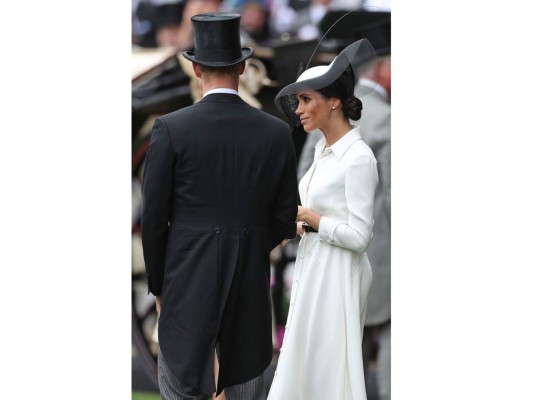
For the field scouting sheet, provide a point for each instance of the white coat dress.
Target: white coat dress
(321, 355)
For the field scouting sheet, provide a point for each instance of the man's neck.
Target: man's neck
(219, 84)
(221, 90)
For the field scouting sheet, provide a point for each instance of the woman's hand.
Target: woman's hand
(308, 216)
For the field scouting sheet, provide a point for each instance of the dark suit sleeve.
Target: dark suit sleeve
(285, 206)
(157, 205)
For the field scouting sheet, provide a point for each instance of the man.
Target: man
(376, 132)
(219, 194)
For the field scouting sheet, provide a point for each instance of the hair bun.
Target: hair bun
(352, 108)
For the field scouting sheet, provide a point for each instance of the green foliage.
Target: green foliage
(145, 396)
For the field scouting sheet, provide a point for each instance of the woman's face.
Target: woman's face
(313, 109)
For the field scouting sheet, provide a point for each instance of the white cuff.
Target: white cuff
(326, 229)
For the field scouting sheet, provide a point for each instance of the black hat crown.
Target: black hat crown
(217, 40)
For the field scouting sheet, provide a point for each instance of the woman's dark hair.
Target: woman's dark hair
(352, 107)
(343, 89)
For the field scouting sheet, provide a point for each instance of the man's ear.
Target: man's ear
(242, 65)
(197, 69)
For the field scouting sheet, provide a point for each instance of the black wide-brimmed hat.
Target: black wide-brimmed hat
(217, 40)
(354, 59)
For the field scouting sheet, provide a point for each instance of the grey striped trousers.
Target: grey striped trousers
(171, 388)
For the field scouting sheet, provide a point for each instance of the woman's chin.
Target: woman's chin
(307, 127)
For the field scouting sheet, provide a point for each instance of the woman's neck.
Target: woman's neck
(335, 130)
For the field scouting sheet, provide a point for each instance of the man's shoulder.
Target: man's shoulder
(375, 100)
(259, 119)
(269, 117)
(254, 118)
(177, 114)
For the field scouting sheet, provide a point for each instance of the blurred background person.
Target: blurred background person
(167, 23)
(155, 22)
(306, 20)
(301, 18)
(143, 23)
(193, 7)
(254, 20)
(298, 18)
(376, 132)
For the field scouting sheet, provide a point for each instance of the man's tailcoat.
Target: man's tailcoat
(219, 193)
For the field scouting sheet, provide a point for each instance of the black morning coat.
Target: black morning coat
(219, 194)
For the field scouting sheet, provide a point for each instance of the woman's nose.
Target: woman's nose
(299, 111)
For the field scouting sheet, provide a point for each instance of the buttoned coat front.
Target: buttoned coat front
(219, 193)
(321, 356)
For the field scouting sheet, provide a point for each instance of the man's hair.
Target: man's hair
(230, 71)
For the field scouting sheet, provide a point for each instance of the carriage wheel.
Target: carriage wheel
(144, 315)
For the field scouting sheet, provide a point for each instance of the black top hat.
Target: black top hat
(217, 40)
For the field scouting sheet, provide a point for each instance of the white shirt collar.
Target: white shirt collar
(221, 90)
(376, 86)
(342, 145)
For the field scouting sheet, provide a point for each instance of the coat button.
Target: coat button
(246, 231)
(217, 230)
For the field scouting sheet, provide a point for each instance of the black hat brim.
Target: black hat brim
(247, 52)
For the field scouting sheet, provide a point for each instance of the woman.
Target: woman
(321, 355)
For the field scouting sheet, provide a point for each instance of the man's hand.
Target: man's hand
(299, 228)
(301, 213)
(158, 303)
